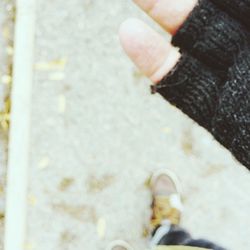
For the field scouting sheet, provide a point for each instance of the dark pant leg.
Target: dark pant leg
(204, 244)
(178, 236)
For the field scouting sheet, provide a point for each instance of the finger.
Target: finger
(168, 13)
(154, 56)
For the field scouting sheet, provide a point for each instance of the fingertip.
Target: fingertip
(154, 56)
(168, 13)
(131, 34)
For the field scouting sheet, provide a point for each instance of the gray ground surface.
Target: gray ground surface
(97, 134)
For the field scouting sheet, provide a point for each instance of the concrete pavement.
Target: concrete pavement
(97, 134)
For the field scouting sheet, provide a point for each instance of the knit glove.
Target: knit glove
(211, 81)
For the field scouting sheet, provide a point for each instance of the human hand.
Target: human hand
(209, 79)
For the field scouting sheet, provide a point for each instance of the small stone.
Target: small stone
(32, 200)
(6, 79)
(44, 162)
(61, 104)
(101, 228)
(57, 76)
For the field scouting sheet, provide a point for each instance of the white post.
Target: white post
(19, 144)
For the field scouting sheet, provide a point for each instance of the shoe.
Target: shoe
(167, 205)
(119, 245)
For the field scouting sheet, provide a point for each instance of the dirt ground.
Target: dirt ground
(6, 37)
(97, 134)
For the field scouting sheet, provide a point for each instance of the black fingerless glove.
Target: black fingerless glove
(211, 81)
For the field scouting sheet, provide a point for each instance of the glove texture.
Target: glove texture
(211, 81)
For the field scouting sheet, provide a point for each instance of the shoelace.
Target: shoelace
(163, 210)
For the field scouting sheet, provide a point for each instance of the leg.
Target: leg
(167, 212)
(175, 236)
(179, 236)
(166, 216)
(204, 243)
